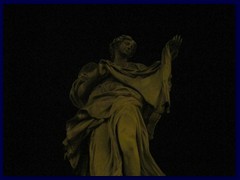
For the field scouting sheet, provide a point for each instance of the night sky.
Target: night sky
(46, 45)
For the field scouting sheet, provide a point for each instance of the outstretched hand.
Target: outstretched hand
(174, 45)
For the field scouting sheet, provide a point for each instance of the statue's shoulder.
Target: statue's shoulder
(138, 66)
(105, 61)
(89, 67)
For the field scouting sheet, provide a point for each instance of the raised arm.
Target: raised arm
(169, 52)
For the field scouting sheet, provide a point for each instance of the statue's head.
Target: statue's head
(117, 42)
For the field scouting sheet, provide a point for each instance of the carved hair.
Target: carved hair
(115, 43)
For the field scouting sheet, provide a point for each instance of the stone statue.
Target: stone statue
(119, 104)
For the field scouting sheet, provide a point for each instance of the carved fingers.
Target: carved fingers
(176, 41)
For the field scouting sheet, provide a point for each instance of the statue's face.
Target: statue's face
(126, 48)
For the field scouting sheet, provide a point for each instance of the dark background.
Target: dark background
(46, 45)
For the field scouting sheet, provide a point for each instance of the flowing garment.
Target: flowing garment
(92, 145)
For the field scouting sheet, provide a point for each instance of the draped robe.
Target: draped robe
(104, 93)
